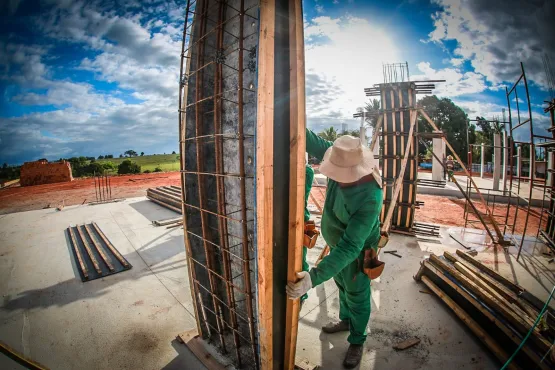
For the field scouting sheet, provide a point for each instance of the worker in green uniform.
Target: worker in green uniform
(309, 177)
(350, 226)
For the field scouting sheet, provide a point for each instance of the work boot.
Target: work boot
(353, 356)
(336, 327)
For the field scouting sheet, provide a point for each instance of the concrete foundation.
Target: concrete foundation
(437, 167)
(129, 320)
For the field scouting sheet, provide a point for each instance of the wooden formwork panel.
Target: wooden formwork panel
(397, 101)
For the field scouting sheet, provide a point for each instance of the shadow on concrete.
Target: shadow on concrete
(185, 359)
(153, 211)
(73, 290)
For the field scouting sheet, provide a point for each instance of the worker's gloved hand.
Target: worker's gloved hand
(298, 289)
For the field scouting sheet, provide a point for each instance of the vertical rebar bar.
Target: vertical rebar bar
(532, 161)
(246, 264)
(182, 116)
(220, 182)
(199, 160)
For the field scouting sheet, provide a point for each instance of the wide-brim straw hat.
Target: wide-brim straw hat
(348, 161)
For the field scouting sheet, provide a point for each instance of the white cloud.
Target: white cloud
(496, 35)
(456, 82)
(127, 52)
(319, 9)
(343, 56)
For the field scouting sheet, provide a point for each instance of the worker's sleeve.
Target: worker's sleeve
(349, 246)
(315, 145)
(309, 177)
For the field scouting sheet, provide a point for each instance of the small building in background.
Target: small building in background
(44, 172)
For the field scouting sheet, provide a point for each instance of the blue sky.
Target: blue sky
(100, 77)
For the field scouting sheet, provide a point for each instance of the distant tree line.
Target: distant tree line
(9, 172)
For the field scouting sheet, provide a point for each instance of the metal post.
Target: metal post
(505, 159)
(482, 160)
(496, 160)
(518, 161)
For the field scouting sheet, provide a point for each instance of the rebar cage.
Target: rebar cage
(218, 121)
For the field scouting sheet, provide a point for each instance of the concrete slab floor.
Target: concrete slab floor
(130, 320)
(124, 321)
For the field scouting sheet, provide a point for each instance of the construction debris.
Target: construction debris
(166, 196)
(167, 221)
(89, 245)
(499, 312)
(393, 253)
(406, 344)
(464, 246)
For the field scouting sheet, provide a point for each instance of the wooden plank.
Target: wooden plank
(501, 325)
(82, 265)
(297, 169)
(99, 248)
(110, 245)
(491, 301)
(163, 204)
(512, 286)
(89, 251)
(406, 344)
(399, 180)
(192, 340)
(472, 325)
(497, 286)
(264, 180)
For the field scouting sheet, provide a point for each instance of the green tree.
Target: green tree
(158, 169)
(130, 153)
(329, 134)
(142, 153)
(100, 157)
(449, 118)
(109, 166)
(373, 106)
(173, 152)
(128, 166)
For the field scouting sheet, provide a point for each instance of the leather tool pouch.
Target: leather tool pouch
(310, 234)
(372, 266)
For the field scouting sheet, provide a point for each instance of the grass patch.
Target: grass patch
(167, 162)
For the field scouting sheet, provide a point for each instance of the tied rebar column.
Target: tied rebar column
(217, 118)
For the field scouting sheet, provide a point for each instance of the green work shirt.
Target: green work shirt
(309, 177)
(350, 221)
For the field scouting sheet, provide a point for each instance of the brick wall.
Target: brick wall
(43, 172)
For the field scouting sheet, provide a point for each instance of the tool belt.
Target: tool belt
(372, 266)
(310, 234)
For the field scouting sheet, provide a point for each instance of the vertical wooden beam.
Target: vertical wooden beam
(297, 147)
(264, 180)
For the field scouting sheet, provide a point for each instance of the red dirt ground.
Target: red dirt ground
(18, 199)
(436, 210)
(450, 211)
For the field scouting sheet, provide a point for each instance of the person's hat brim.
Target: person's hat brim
(350, 174)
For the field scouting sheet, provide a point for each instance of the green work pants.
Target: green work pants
(306, 267)
(354, 300)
